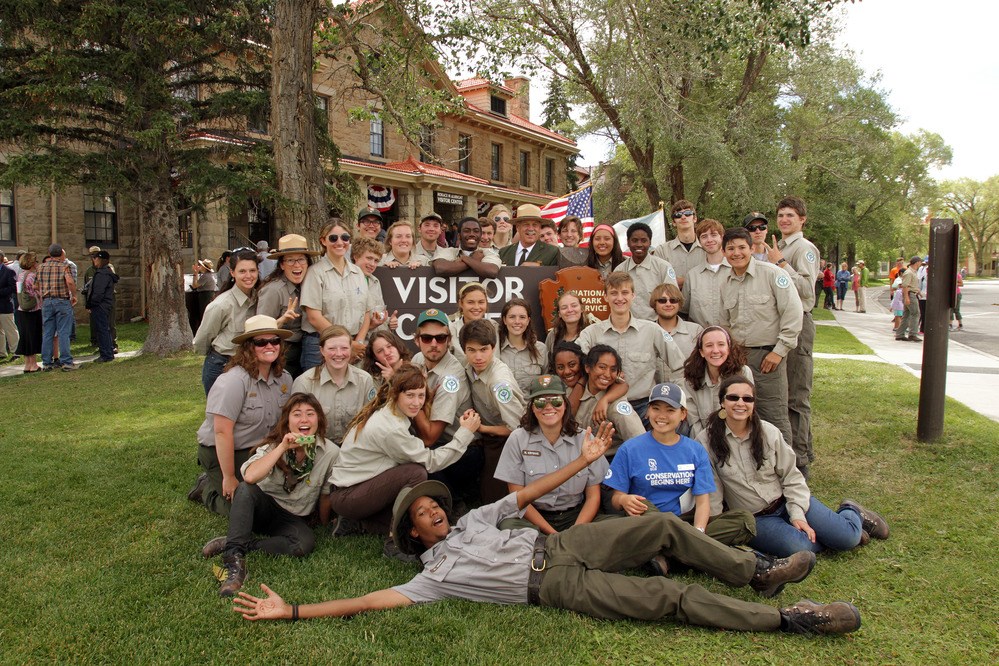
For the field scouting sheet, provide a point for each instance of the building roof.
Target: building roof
(475, 83)
(523, 123)
(412, 165)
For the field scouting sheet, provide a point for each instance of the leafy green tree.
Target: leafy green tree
(555, 116)
(975, 204)
(146, 98)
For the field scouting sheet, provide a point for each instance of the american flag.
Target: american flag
(578, 203)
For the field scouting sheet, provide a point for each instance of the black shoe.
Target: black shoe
(235, 567)
(804, 471)
(343, 527)
(914, 338)
(48, 368)
(103, 360)
(196, 493)
(69, 367)
(872, 522)
(391, 551)
(810, 617)
(773, 573)
(213, 547)
(659, 565)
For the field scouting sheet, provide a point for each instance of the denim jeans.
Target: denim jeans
(100, 324)
(641, 407)
(253, 510)
(57, 319)
(311, 357)
(775, 535)
(213, 367)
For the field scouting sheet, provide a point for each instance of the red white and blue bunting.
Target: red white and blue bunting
(381, 197)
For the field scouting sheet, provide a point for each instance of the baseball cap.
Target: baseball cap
(669, 393)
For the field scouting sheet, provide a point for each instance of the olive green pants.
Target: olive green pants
(771, 392)
(559, 520)
(212, 494)
(799, 392)
(582, 563)
(732, 528)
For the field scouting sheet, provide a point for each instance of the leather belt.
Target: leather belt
(773, 507)
(767, 347)
(537, 574)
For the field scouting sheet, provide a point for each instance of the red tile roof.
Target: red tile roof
(474, 83)
(414, 166)
(523, 122)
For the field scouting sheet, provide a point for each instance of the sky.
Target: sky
(939, 64)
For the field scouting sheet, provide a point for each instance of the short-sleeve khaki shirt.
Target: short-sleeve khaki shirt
(449, 386)
(273, 302)
(342, 298)
(253, 405)
(496, 396)
(340, 403)
(802, 266)
(761, 308)
(647, 276)
(223, 320)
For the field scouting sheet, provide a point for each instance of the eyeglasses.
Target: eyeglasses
(503, 218)
(440, 338)
(370, 220)
(683, 213)
(554, 401)
(748, 399)
(334, 238)
(300, 260)
(664, 301)
(274, 342)
(757, 227)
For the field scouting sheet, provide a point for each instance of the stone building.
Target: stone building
(489, 152)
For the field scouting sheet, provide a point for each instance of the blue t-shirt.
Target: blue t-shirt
(667, 476)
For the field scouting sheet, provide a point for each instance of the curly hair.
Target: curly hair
(246, 359)
(696, 365)
(407, 378)
(716, 427)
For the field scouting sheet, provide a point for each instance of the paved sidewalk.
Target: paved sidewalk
(972, 376)
(15, 369)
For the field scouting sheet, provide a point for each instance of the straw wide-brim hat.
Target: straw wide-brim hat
(405, 499)
(527, 212)
(261, 325)
(207, 264)
(293, 244)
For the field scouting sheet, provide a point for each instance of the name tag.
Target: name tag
(528, 452)
(688, 467)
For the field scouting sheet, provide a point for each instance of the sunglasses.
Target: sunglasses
(664, 301)
(274, 342)
(334, 238)
(504, 218)
(440, 338)
(555, 401)
(683, 213)
(748, 399)
(757, 227)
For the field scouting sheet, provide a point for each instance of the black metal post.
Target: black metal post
(941, 291)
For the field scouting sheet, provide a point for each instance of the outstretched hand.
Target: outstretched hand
(596, 445)
(272, 607)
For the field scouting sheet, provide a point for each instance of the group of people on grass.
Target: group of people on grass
(522, 471)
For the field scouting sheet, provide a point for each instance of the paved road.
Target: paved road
(980, 310)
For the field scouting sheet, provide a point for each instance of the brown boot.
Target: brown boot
(195, 493)
(213, 547)
(235, 566)
(809, 617)
(773, 573)
(872, 522)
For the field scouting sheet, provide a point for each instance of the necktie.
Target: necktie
(523, 256)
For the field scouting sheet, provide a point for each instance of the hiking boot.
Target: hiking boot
(235, 567)
(865, 538)
(773, 573)
(659, 565)
(810, 617)
(391, 551)
(198, 490)
(343, 527)
(213, 547)
(872, 522)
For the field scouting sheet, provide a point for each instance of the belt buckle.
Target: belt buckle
(544, 564)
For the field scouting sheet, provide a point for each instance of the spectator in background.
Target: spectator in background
(29, 313)
(898, 268)
(57, 287)
(865, 276)
(488, 230)
(955, 313)
(203, 286)
(923, 275)
(828, 282)
(818, 281)
(369, 224)
(100, 303)
(502, 218)
(224, 273)
(8, 294)
(266, 266)
(843, 277)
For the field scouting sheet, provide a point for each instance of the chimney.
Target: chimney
(520, 105)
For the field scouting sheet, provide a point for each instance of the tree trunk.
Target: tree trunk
(169, 329)
(300, 177)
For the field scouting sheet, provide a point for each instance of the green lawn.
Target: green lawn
(130, 338)
(837, 340)
(819, 313)
(100, 562)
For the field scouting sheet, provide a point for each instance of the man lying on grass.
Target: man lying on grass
(573, 569)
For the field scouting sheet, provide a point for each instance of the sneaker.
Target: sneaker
(103, 360)
(873, 523)
(773, 573)
(914, 338)
(68, 367)
(809, 617)
(898, 339)
(196, 493)
(659, 565)
(48, 368)
(344, 527)
(213, 547)
(235, 568)
(391, 551)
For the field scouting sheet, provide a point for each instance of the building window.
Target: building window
(525, 169)
(185, 215)
(426, 144)
(8, 233)
(497, 105)
(100, 218)
(497, 162)
(549, 175)
(259, 117)
(376, 137)
(322, 103)
(464, 153)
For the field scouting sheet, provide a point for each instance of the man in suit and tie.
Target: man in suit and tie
(529, 251)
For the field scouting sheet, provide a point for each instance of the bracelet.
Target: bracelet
(294, 612)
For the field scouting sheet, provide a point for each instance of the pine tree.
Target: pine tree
(555, 116)
(120, 95)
